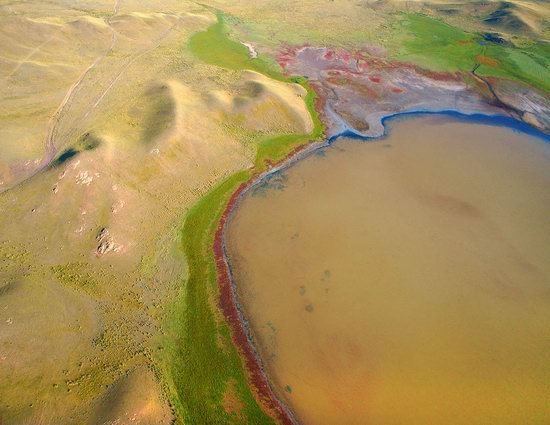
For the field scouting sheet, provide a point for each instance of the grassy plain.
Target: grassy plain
(434, 44)
(146, 115)
(115, 119)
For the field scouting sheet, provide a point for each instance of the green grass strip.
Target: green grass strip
(214, 47)
(201, 356)
(198, 357)
(276, 148)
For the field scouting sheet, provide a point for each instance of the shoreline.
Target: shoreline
(229, 303)
(496, 119)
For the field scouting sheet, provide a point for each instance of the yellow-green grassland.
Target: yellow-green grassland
(125, 127)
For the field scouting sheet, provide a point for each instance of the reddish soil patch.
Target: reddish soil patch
(356, 85)
(231, 402)
(329, 55)
(439, 76)
(486, 60)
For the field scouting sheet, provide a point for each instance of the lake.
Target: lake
(404, 280)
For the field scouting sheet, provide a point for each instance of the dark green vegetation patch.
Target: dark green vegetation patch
(87, 142)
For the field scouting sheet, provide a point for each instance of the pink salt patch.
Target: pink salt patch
(329, 55)
(284, 60)
(374, 79)
(397, 90)
(359, 56)
(363, 65)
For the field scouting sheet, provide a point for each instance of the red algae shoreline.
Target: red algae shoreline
(235, 319)
(228, 301)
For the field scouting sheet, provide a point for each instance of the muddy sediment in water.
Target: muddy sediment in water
(403, 280)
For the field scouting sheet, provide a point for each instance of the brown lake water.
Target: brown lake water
(404, 281)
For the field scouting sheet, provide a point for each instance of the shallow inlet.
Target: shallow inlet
(404, 281)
